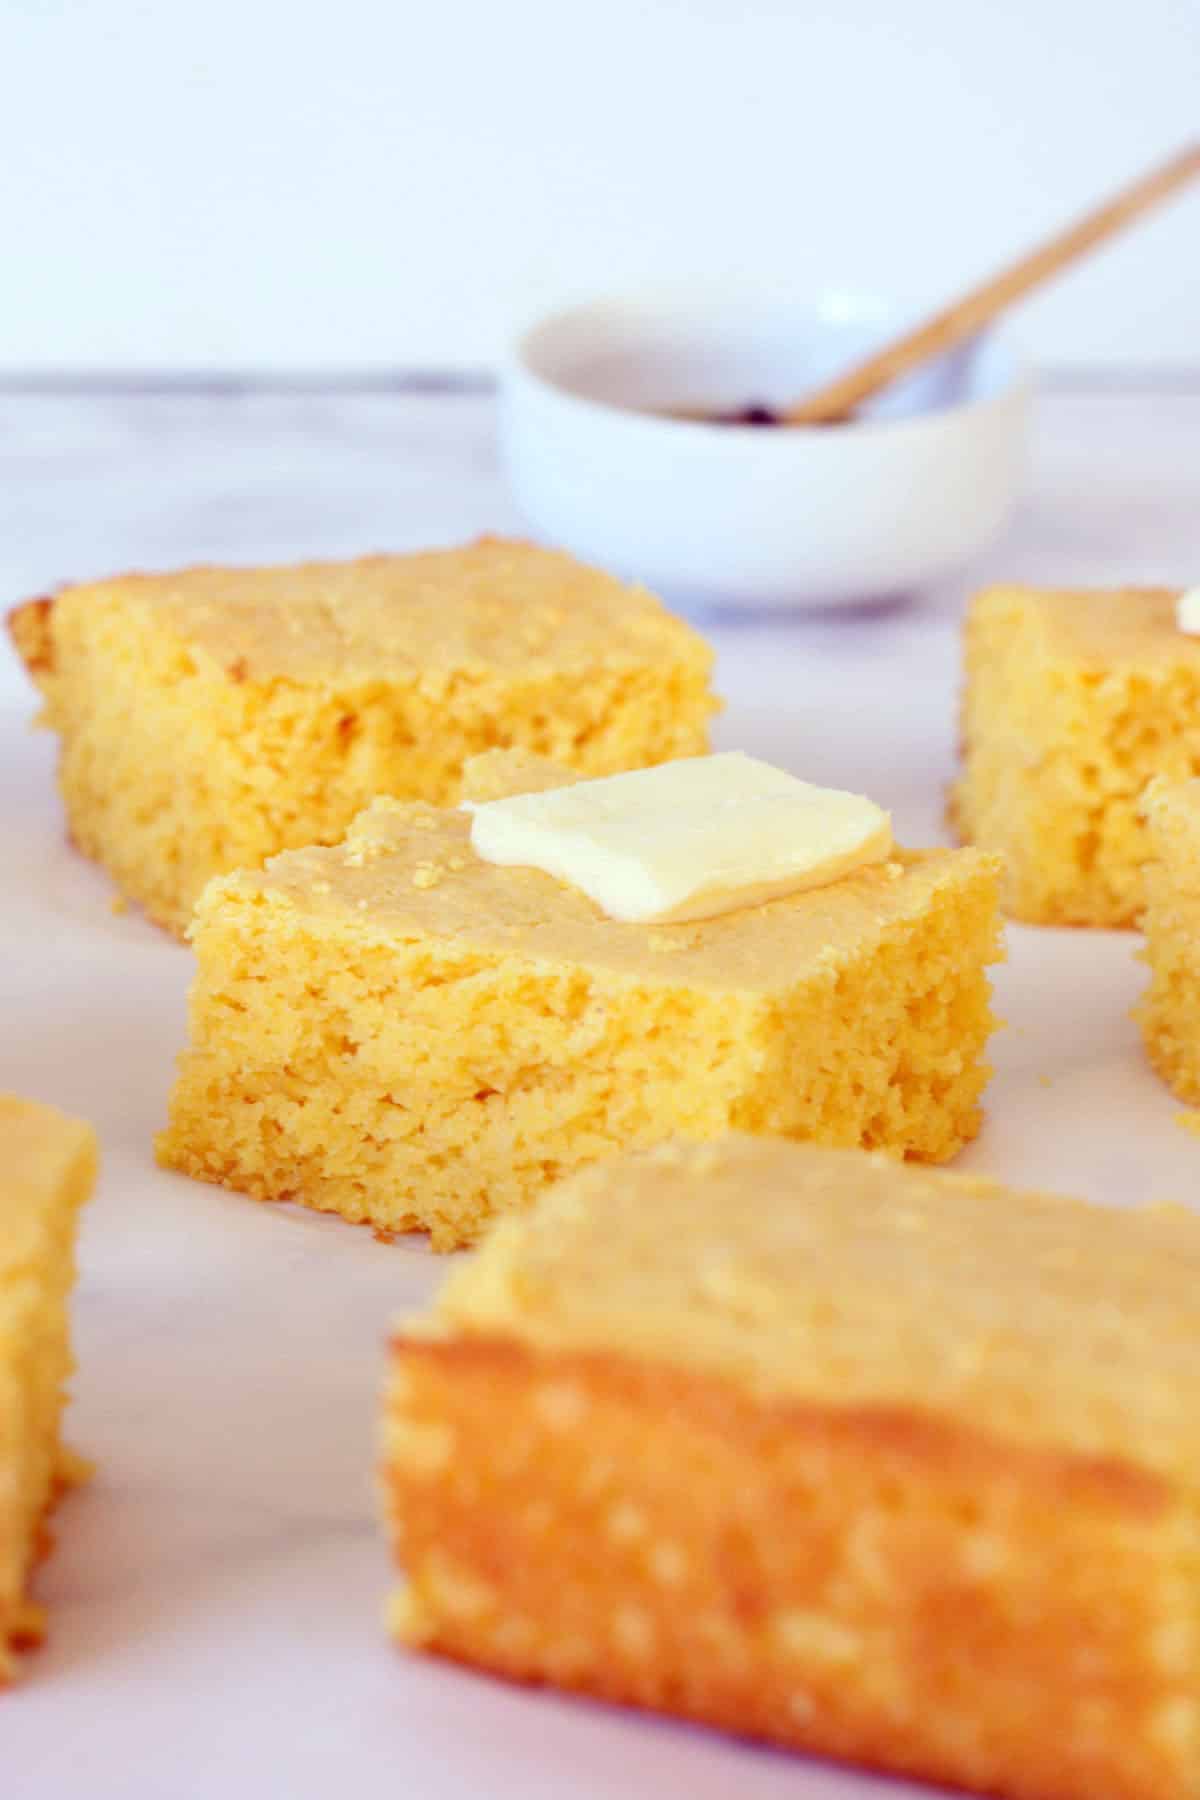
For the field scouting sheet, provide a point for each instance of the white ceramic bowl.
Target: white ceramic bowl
(745, 516)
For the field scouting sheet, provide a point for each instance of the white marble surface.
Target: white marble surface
(216, 1593)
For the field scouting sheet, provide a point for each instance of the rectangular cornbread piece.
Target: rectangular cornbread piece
(210, 718)
(1073, 702)
(47, 1166)
(399, 1032)
(1169, 1012)
(885, 1464)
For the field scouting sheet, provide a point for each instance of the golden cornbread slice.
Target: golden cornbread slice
(886, 1464)
(1072, 702)
(1169, 1013)
(399, 1032)
(47, 1166)
(211, 718)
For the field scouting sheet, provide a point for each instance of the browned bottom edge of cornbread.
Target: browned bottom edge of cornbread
(869, 1583)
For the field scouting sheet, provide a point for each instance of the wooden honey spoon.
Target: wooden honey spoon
(836, 401)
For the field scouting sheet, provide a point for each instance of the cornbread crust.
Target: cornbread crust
(1073, 701)
(211, 718)
(495, 774)
(47, 1167)
(402, 1033)
(1169, 1011)
(886, 1464)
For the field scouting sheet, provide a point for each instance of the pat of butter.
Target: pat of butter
(1187, 611)
(685, 840)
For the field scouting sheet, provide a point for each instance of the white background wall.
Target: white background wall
(240, 183)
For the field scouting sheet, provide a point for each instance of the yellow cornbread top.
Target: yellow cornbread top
(40, 1151)
(846, 1279)
(491, 607)
(1105, 628)
(407, 872)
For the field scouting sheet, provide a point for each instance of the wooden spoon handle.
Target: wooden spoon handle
(825, 405)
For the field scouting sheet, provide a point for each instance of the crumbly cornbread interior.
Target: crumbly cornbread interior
(47, 1167)
(210, 718)
(399, 1032)
(1169, 1011)
(881, 1462)
(1072, 702)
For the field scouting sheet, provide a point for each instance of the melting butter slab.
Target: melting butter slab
(686, 840)
(1187, 611)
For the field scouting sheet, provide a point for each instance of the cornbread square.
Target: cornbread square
(399, 1032)
(47, 1166)
(885, 1464)
(1169, 1013)
(1072, 702)
(211, 718)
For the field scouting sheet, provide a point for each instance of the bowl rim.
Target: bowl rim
(517, 367)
